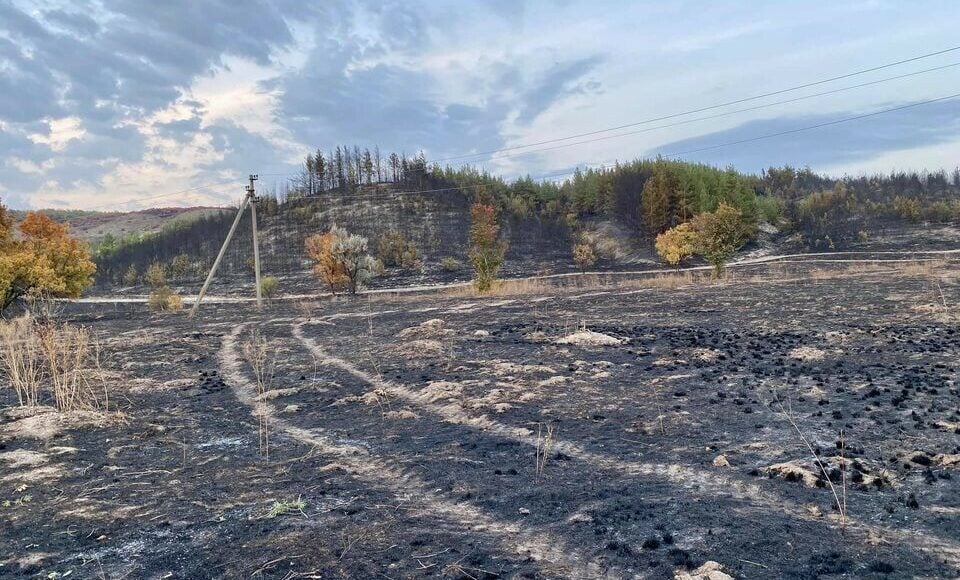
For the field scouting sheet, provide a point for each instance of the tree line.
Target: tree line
(649, 196)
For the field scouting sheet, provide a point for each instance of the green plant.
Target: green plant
(283, 507)
(719, 234)
(394, 250)
(269, 286)
(450, 264)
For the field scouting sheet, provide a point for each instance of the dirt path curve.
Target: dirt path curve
(696, 480)
(190, 299)
(556, 556)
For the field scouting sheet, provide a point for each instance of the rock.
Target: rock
(524, 511)
(710, 570)
(721, 461)
(481, 333)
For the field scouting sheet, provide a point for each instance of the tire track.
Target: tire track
(515, 538)
(690, 478)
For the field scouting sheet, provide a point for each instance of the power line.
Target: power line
(702, 109)
(725, 114)
(811, 127)
(717, 146)
(689, 121)
(650, 120)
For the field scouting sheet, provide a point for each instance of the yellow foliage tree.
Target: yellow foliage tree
(327, 267)
(44, 262)
(676, 244)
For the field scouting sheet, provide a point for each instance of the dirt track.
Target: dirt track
(410, 429)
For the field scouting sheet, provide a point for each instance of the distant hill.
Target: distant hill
(93, 226)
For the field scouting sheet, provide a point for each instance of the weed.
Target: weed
(283, 507)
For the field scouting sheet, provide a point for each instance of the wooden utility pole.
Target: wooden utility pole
(251, 193)
(249, 199)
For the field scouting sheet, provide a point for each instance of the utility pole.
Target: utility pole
(251, 193)
(249, 199)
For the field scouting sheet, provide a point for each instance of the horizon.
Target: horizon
(130, 102)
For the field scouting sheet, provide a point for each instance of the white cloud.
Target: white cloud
(59, 133)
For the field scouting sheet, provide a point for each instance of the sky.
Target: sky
(126, 104)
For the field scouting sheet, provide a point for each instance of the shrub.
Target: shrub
(676, 244)
(486, 249)
(156, 275)
(131, 276)
(394, 250)
(826, 217)
(164, 299)
(450, 264)
(180, 266)
(907, 208)
(341, 259)
(719, 234)
(269, 286)
(44, 262)
(584, 256)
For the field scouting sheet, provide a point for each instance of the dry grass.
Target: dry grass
(532, 286)
(20, 356)
(61, 359)
(262, 361)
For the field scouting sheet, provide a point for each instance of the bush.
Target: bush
(156, 275)
(180, 266)
(450, 264)
(676, 244)
(907, 208)
(719, 234)
(584, 256)
(269, 286)
(43, 262)
(164, 299)
(394, 250)
(341, 259)
(486, 249)
(131, 276)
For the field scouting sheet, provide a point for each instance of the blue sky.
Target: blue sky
(108, 105)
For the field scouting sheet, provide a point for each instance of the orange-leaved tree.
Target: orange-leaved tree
(342, 261)
(486, 249)
(327, 268)
(44, 262)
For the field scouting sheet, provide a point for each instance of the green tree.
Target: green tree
(657, 200)
(719, 234)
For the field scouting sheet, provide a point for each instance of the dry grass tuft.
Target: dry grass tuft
(262, 361)
(61, 359)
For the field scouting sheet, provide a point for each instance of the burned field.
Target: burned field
(789, 422)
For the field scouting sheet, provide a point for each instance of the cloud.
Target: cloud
(105, 103)
(835, 145)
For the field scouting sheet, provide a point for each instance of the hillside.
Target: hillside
(94, 226)
(618, 211)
